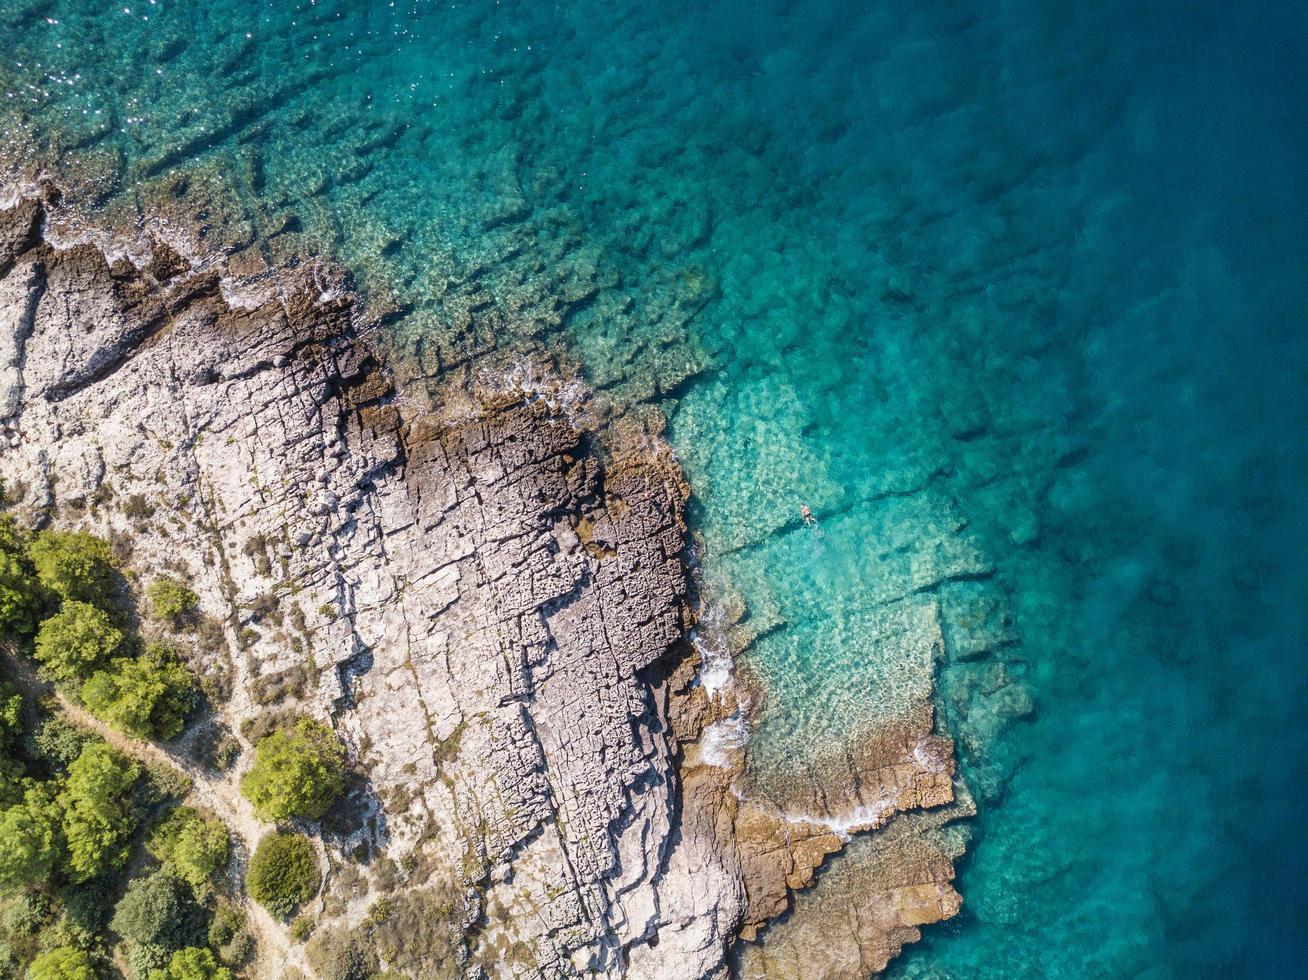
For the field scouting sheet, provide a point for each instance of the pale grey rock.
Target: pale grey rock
(489, 608)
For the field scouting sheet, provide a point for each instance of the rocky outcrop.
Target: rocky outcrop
(484, 591)
(480, 596)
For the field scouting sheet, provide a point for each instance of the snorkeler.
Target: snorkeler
(804, 512)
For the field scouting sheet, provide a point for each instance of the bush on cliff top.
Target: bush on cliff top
(145, 697)
(76, 640)
(74, 565)
(298, 772)
(64, 963)
(170, 600)
(190, 844)
(283, 873)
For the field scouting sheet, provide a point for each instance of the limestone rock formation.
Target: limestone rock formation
(479, 598)
(485, 594)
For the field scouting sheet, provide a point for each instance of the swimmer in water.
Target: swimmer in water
(804, 512)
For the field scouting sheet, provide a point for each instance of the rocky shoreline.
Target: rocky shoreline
(480, 588)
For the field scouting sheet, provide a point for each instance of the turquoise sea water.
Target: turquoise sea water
(1011, 291)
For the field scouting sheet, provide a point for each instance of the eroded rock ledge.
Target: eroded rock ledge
(485, 597)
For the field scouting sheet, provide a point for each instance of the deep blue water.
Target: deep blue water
(1017, 284)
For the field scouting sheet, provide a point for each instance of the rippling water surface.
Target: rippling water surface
(1013, 294)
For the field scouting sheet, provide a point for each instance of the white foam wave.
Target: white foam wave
(867, 816)
(538, 382)
(722, 738)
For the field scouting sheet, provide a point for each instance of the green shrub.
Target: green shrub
(146, 697)
(64, 963)
(138, 508)
(240, 949)
(158, 910)
(192, 964)
(216, 748)
(11, 717)
(59, 743)
(170, 600)
(144, 958)
(25, 914)
(17, 595)
(283, 873)
(298, 772)
(190, 844)
(12, 769)
(31, 839)
(97, 811)
(89, 905)
(228, 920)
(301, 928)
(76, 640)
(74, 565)
(228, 935)
(164, 783)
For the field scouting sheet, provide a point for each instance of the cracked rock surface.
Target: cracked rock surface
(478, 595)
(484, 592)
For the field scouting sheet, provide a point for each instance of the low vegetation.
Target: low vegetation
(338, 955)
(283, 873)
(298, 771)
(147, 697)
(103, 870)
(190, 845)
(170, 600)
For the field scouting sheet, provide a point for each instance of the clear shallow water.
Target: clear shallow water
(1011, 288)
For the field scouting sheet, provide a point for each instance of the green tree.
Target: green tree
(12, 768)
(17, 595)
(283, 873)
(30, 839)
(146, 697)
(59, 743)
(63, 963)
(11, 538)
(228, 934)
(190, 844)
(298, 772)
(11, 720)
(97, 811)
(76, 640)
(170, 600)
(159, 910)
(192, 964)
(74, 565)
